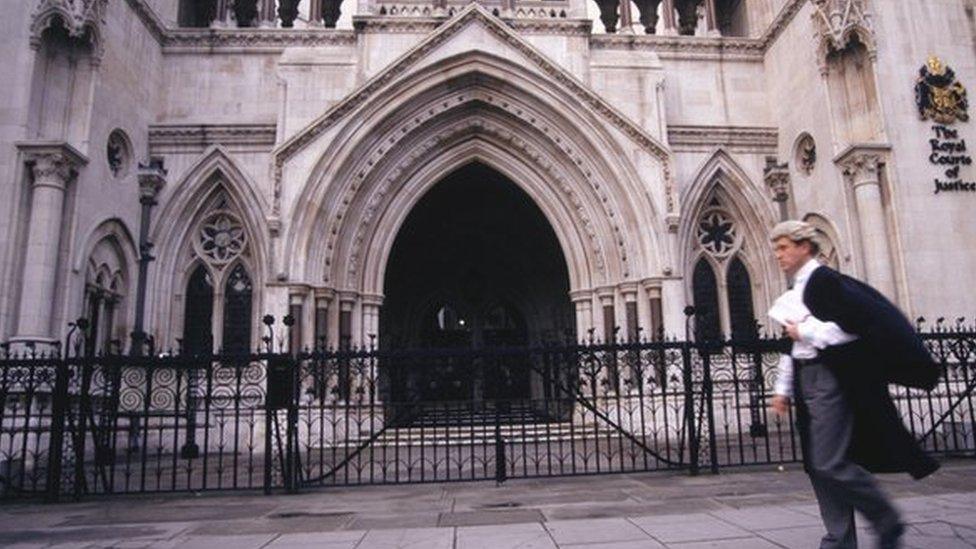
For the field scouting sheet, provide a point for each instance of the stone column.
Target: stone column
(267, 16)
(655, 328)
(670, 25)
(861, 165)
(777, 177)
(222, 20)
(583, 304)
(347, 305)
(632, 326)
(323, 297)
(52, 166)
(152, 178)
(711, 18)
(296, 309)
(626, 18)
(609, 313)
(315, 13)
(371, 319)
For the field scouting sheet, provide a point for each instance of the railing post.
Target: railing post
(59, 403)
(710, 410)
(690, 430)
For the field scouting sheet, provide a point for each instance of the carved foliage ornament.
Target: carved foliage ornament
(80, 18)
(939, 95)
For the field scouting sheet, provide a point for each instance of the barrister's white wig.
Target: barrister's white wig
(797, 231)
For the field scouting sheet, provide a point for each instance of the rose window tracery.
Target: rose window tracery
(717, 233)
(220, 238)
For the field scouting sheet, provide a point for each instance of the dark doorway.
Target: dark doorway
(475, 265)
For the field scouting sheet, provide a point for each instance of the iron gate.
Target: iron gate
(278, 420)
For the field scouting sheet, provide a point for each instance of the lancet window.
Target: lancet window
(104, 301)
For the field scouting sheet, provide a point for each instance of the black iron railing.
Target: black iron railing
(279, 420)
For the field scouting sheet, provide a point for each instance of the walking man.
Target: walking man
(848, 343)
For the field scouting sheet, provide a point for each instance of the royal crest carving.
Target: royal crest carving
(938, 95)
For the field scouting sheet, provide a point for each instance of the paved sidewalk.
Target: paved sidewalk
(752, 508)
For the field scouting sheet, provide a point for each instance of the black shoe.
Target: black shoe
(892, 538)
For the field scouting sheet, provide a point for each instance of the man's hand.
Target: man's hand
(793, 330)
(780, 404)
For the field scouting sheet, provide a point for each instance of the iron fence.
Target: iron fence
(82, 425)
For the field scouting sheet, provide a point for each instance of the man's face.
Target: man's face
(790, 255)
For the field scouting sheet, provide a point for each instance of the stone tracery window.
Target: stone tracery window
(218, 299)
(717, 233)
(720, 283)
(221, 237)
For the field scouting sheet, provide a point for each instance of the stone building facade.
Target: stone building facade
(468, 174)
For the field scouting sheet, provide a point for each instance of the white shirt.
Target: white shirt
(815, 334)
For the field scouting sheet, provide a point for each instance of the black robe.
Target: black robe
(888, 350)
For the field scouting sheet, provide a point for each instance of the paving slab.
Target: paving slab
(513, 536)
(332, 540)
(216, 542)
(752, 542)
(705, 528)
(766, 518)
(594, 531)
(475, 518)
(409, 538)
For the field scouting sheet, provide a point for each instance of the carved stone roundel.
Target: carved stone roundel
(717, 233)
(220, 238)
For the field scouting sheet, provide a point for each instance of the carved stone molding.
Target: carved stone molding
(860, 162)
(683, 47)
(740, 138)
(782, 20)
(836, 22)
(183, 137)
(270, 40)
(777, 178)
(52, 163)
(80, 18)
(152, 178)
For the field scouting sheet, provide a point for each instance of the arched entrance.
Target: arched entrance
(475, 265)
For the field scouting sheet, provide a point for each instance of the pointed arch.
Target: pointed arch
(723, 186)
(474, 107)
(831, 253)
(214, 182)
(105, 264)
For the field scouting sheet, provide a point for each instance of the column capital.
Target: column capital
(52, 163)
(777, 178)
(324, 295)
(373, 300)
(578, 296)
(152, 179)
(652, 286)
(859, 162)
(348, 296)
(606, 293)
(628, 290)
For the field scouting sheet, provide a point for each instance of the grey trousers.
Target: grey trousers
(841, 486)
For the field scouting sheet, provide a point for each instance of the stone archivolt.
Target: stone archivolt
(506, 120)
